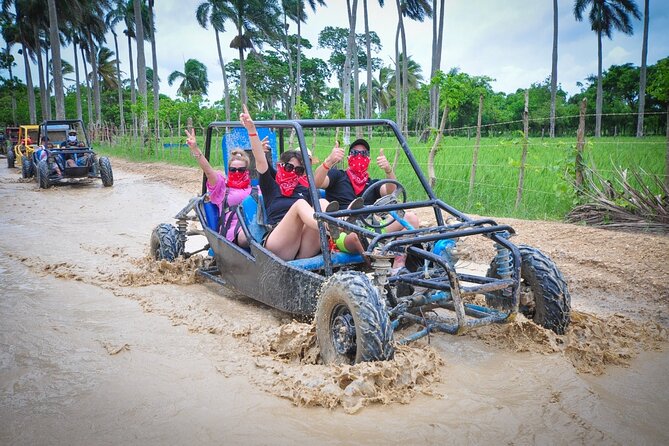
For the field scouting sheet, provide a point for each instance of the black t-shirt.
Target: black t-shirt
(276, 205)
(340, 189)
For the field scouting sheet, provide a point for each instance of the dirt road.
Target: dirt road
(99, 345)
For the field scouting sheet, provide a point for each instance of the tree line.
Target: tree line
(274, 76)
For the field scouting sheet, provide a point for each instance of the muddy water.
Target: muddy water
(100, 346)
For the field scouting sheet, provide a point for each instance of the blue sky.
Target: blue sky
(510, 40)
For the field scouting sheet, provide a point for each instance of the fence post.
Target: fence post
(580, 143)
(472, 175)
(666, 167)
(523, 158)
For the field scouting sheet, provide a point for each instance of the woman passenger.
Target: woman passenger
(226, 193)
(288, 204)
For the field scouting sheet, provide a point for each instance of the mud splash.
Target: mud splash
(155, 272)
(291, 370)
(591, 344)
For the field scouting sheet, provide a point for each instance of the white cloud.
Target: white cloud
(510, 41)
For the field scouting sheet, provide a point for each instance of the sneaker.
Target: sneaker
(332, 206)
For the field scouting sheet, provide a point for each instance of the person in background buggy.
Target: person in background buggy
(74, 159)
(42, 154)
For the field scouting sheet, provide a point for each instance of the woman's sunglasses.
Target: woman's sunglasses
(359, 152)
(299, 170)
(237, 169)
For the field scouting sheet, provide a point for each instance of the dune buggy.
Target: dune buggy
(360, 306)
(23, 143)
(51, 167)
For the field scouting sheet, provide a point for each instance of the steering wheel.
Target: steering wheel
(399, 195)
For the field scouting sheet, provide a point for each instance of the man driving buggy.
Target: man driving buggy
(348, 186)
(74, 159)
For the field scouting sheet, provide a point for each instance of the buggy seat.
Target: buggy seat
(252, 213)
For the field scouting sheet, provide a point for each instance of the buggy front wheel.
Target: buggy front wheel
(106, 173)
(26, 167)
(166, 243)
(352, 322)
(43, 174)
(11, 157)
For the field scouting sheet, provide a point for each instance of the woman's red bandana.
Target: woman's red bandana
(239, 180)
(287, 181)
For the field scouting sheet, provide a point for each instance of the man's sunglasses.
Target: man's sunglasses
(237, 169)
(359, 152)
(299, 170)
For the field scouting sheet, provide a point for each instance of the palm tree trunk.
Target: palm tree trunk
(642, 77)
(298, 76)
(242, 75)
(350, 47)
(398, 86)
(437, 45)
(47, 82)
(133, 95)
(40, 67)
(154, 61)
(554, 68)
(600, 93)
(120, 87)
(76, 75)
(11, 79)
(225, 77)
(141, 64)
(54, 37)
(89, 101)
(29, 84)
(93, 57)
(291, 80)
(368, 45)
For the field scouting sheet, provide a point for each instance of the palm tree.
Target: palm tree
(437, 44)
(106, 68)
(54, 38)
(10, 34)
(210, 12)
(155, 84)
(554, 68)
(414, 74)
(94, 30)
(66, 69)
(254, 20)
(301, 17)
(193, 79)
(642, 77)
(141, 63)
(605, 16)
(350, 51)
(114, 17)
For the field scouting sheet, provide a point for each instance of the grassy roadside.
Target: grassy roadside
(547, 194)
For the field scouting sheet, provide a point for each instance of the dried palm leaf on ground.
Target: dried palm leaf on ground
(625, 202)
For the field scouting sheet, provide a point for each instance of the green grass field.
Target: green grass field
(549, 168)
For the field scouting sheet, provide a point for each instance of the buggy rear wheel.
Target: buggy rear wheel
(26, 167)
(106, 173)
(166, 244)
(11, 156)
(352, 322)
(43, 174)
(544, 294)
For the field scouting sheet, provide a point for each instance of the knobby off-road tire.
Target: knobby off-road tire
(352, 322)
(43, 174)
(550, 301)
(26, 167)
(166, 243)
(106, 173)
(11, 156)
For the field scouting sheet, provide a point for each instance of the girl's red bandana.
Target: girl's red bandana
(287, 181)
(239, 180)
(357, 172)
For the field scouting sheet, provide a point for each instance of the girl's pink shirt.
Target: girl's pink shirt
(235, 197)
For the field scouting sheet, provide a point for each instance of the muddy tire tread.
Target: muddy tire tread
(374, 332)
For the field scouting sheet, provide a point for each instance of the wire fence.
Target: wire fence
(511, 166)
